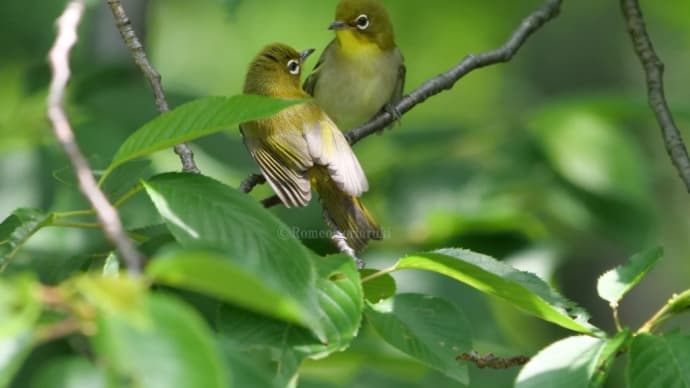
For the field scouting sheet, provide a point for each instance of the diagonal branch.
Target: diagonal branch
(446, 81)
(124, 25)
(654, 72)
(59, 61)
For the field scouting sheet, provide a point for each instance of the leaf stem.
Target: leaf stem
(89, 212)
(380, 273)
(80, 225)
(126, 196)
(75, 213)
(616, 319)
(678, 304)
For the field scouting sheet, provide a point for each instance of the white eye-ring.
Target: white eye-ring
(293, 66)
(362, 22)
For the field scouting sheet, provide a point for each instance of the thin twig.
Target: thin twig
(654, 72)
(447, 80)
(124, 25)
(491, 361)
(251, 181)
(57, 330)
(59, 61)
(678, 304)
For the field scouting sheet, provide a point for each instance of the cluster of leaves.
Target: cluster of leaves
(230, 297)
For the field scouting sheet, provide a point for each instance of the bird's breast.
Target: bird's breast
(353, 88)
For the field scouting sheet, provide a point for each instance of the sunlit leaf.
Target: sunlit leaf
(659, 361)
(201, 212)
(568, 363)
(614, 284)
(195, 119)
(69, 372)
(172, 348)
(19, 311)
(428, 329)
(521, 289)
(210, 273)
(111, 267)
(13, 351)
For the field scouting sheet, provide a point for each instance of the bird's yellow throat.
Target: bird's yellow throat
(352, 44)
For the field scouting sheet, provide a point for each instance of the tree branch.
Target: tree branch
(67, 25)
(446, 81)
(250, 182)
(491, 361)
(654, 72)
(124, 25)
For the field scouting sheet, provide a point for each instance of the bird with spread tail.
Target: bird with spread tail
(361, 71)
(301, 148)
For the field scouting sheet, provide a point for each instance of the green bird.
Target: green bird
(301, 148)
(361, 71)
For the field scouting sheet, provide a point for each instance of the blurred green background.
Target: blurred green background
(552, 162)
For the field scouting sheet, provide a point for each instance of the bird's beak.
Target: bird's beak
(305, 54)
(337, 25)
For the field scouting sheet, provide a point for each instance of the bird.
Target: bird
(301, 148)
(361, 71)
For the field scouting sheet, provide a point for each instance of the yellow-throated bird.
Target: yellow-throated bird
(361, 71)
(300, 148)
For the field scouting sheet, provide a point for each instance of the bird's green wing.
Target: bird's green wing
(399, 84)
(310, 83)
(283, 161)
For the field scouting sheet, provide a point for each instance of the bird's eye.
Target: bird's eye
(293, 66)
(362, 22)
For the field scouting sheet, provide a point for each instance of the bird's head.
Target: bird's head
(276, 71)
(364, 21)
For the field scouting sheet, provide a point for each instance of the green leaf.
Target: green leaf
(69, 372)
(19, 311)
(428, 329)
(591, 150)
(341, 303)
(201, 212)
(246, 372)
(122, 297)
(523, 290)
(171, 348)
(614, 284)
(195, 119)
(378, 288)
(607, 357)
(125, 177)
(210, 273)
(16, 229)
(568, 363)
(659, 361)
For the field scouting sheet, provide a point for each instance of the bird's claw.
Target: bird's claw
(393, 111)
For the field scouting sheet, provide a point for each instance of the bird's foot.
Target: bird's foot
(393, 111)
